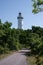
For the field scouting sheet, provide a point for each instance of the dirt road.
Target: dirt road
(14, 59)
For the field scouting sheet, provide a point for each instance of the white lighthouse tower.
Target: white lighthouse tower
(20, 22)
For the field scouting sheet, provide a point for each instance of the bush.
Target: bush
(18, 46)
(1, 50)
(6, 50)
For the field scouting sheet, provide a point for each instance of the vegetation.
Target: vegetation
(8, 38)
(32, 60)
(14, 39)
(37, 6)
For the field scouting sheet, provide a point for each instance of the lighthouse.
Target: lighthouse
(20, 22)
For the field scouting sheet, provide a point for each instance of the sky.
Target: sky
(9, 10)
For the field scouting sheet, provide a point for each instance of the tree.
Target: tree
(9, 37)
(36, 46)
(38, 6)
(37, 30)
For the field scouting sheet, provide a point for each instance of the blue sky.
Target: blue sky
(9, 10)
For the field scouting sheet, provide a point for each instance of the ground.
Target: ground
(18, 58)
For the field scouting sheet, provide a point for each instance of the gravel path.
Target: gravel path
(15, 59)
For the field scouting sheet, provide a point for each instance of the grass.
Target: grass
(31, 60)
(6, 54)
(41, 58)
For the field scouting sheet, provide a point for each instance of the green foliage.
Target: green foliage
(35, 41)
(14, 39)
(9, 37)
(1, 50)
(38, 60)
(36, 6)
